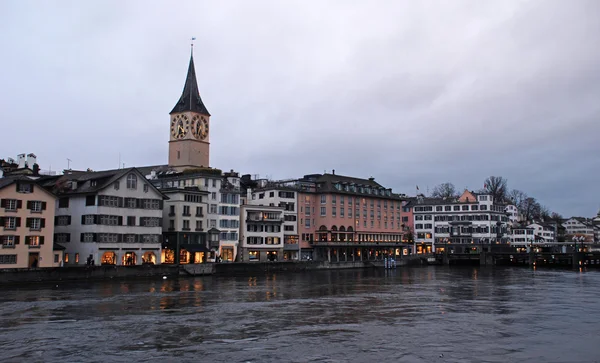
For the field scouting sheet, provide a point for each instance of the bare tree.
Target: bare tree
(444, 190)
(544, 213)
(497, 186)
(530, 209)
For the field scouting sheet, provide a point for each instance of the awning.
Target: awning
(194, 248)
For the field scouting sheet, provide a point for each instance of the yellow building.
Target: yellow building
(26, 225)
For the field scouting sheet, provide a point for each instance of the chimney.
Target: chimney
(371, 178)
(333, 172)
(31, 159)
(21, 160)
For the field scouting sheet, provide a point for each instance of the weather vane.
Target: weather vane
(192, 43)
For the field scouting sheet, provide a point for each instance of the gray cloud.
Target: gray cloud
(408, 92)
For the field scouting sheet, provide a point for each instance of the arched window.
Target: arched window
(131, 181)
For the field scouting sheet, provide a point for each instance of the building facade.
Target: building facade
(184, 224)
(459, 224)
(348, 219)
(278, 195)
(27, 222)
(111, 217)
(261, 234)
(580, 228)
(543, 231)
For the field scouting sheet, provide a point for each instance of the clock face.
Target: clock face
(180, 126)
(200, 127)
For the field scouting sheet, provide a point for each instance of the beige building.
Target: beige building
(27, 222)
(261, 235)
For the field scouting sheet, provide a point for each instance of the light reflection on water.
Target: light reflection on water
(411, 315)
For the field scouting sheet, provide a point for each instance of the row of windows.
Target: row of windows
(115, 202)
(12, 205)
(229, 236)
(361, 237)
(207, 182)
(360, 189)
(229, 223)
(230, 198)
(269, 228)
(11, 241)
(120, 238)
(263, 240)
(12, 223)
(229, 211)
(357, 200)
(112, 220)
(386, 225)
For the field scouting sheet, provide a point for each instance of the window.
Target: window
(9, 241)
(186, 225)
(25, 188)
(198, 225)
(323, 199)
(131, 220)
(323, 211)
(63, 202)
(146, 188)
(34, 224)
(186, 210)
(36, 206)
(307, 223)
(12, 222)
(10, 204)
(62, 237)
(199, 212)
(131, 181)
(34, 241)
(213, 196)
(90, 200)
(77, 258)
(8, 259)
(63, 220)
(334, 211)
(116, 185)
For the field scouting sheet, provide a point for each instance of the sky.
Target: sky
(409, 92)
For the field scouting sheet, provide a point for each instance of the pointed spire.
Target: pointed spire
(190, 98)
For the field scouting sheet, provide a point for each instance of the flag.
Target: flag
(484, 186)
(417, 187)
(193, 38)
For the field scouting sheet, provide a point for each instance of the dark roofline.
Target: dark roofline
(190, 97)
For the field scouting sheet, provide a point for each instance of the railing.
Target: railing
(264, 219)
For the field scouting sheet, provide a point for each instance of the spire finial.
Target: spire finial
(192, 45)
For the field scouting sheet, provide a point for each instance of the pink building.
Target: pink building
(343, 218)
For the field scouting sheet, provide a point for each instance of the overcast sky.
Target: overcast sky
(410, 92)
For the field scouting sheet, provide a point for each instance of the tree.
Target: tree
(530, 209)
(444, 190)
(497, 187)
(544, 213)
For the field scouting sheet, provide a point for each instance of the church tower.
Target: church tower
(189, 144)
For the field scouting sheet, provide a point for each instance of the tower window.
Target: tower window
(178, 155)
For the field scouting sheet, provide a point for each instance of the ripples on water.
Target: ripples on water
(433, 314)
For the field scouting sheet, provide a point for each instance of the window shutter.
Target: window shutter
(43, 223)
(121, 202)
(19, 204)
(56, 220)
(160, 204)
(120, 221)
(27, 239)
(18, 222)
(41, 240)
(69, 220)
(120, 238)
(68, 237)
(82, 219)
(17, 186)
(81, 237)
(95, 219)
(95, 237)
(28, 222)
(2, 203)
(2, 223)
(31, 188)
(29, 204)
(44, 205)
(17, 239)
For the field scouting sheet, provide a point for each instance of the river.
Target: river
(431, 314)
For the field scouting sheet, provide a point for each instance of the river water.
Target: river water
(432, 314)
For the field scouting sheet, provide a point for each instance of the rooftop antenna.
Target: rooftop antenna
(69, 164)
(119, 161)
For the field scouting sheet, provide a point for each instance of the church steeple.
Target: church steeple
(190, 98)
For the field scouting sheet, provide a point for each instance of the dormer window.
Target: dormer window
(131, 181)
(24, 188)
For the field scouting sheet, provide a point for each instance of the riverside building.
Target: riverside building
(27, 225)
(461, 225)
(112, 217)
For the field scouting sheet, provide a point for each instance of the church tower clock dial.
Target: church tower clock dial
(189, 145)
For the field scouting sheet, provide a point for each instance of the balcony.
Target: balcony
(264, 220)
(199, 229)
(186, 214)
(201, 215)
(213, 244)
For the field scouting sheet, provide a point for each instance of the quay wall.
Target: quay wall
(79, 273)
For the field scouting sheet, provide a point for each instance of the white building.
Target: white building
(512, 212)
(543, 231)
(261, 237)
(287, 199)
(222, 204)
(522, 236)
(112, 216)
(579, 227)
(470, 219)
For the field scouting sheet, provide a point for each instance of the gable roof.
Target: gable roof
(89, 182)
(9, 180)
